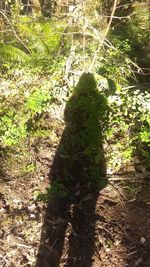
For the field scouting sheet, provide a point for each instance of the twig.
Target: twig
(135, 65)
(99, 36)
(118, 179)
(105, 34)
(134, 86)
(132, 4)
(8, 264)
(70, 60)
(108, 199)
(142, 73)
(83, 31)
(22, 245)
(17, 37)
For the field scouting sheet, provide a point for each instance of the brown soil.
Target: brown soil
(109, 228)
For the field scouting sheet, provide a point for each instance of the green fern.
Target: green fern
(8, 52)
(41, 37)
(31, 36)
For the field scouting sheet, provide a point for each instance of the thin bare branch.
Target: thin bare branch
(14, 32)
(105, 34)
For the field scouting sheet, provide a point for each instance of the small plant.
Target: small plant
(56, 190)
(37, 101)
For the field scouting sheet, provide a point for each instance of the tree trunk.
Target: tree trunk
(36, 7)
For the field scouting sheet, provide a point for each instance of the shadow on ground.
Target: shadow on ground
(76, 177)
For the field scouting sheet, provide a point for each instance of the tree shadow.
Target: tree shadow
(76, 177)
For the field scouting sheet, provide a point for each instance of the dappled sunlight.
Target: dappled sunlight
(74, 133)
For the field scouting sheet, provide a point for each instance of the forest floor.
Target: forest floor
(111, 229)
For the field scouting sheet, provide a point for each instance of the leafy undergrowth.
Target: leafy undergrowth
(38, 73)
(117, 233)
(31, 131)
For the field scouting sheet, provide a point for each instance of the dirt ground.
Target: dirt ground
(106, 229)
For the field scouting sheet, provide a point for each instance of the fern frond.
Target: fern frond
(31, 34)
(42, 37)
(8, 52)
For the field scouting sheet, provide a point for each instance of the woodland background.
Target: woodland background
(45, 46)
